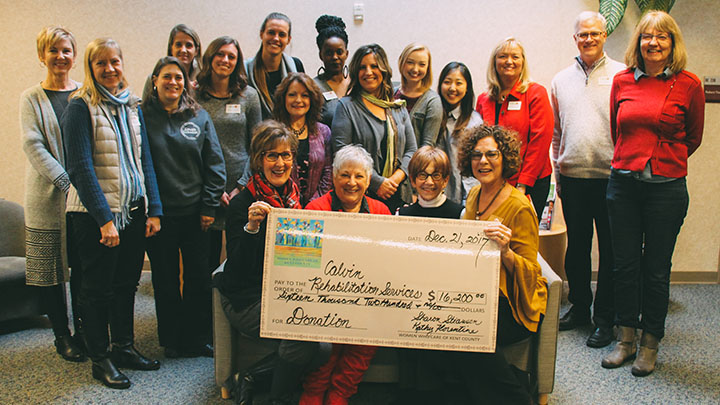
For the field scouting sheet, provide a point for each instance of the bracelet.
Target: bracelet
(249, 231)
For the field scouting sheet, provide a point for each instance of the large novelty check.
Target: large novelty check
(380, 280)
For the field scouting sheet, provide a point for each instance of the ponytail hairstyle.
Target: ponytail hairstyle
(259, 69)
(195, 65)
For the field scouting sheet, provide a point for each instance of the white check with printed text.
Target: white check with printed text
(380, 280)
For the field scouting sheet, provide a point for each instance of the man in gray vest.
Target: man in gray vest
(582, 151)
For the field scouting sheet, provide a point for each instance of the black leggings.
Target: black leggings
(54, 303)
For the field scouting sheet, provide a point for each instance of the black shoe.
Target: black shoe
(65, 347)
(601, 337)
(572, 319)
(243, 387)
(129, 357)
(205, 350)
(172, 353)
(108, 374)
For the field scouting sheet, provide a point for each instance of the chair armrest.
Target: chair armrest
(548, 331)
(222, 337)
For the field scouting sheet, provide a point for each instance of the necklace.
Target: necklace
(479, 213)
(298, 132)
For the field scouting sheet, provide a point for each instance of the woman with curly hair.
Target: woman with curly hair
(491, 155)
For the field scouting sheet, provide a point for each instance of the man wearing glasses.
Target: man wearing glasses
(582, 151)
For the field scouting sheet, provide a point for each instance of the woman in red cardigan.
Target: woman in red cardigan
(337, 380)
(656, 119)
(514, 102)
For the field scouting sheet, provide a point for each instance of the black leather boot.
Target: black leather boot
(245, 383)
(65, 346)
(105, 371)
(129, 357)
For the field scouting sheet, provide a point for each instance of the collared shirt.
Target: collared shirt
(452, 119)
(587, 68)
(665, 74)
(336, 204)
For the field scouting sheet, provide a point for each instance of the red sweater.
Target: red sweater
(656, 119)
(533, 120)
(325, 203)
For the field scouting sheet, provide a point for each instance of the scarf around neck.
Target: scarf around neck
(288, 196)
(130, 184)
(391, 160)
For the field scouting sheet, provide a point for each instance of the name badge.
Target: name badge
(330, 95)
(604, 81)
(514, 105)
(233, 109)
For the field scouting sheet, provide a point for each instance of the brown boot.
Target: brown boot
(624, 350)
(644, 364)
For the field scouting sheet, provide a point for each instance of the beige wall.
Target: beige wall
(454, 30)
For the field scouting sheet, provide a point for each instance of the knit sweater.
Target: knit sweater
(582, 147)
(46, 184)
(656, 119)
(188, 161)
(426, 117)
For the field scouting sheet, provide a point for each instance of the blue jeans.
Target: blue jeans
(645, 219)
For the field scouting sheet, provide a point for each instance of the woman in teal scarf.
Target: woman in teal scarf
(370, 117)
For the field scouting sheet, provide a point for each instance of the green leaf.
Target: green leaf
(647, 5)
(613, 11)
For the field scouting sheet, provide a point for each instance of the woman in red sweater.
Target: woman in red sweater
(514, 102)
(656, 117)
(337, 380)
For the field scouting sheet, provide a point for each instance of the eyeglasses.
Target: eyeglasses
(273, 156)
(489, 155)
(660, 37)
(585, 35)
(422, 176)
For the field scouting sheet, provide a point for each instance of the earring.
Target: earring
(346, 72)
(321, 71)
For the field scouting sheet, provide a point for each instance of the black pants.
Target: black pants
(583, 203)
(488, 377)
(292, 358)
(215, 244)
(109, 281)
(183, 318)
(53, 302)
(539, 194)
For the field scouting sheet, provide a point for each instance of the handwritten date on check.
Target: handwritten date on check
(380, 280)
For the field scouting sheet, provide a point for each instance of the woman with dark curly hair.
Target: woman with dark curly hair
(491, 155)
(299, 104)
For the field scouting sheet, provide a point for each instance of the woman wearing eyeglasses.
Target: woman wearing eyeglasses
(272, 155)
(656, 121)
(491, 155)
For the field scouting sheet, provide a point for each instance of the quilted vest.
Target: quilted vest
(105, 155)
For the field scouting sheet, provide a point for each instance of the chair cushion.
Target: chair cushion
(12, 270)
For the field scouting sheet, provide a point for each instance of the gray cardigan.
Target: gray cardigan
(458, 186)
(426, 116)
(355, 124)
(46, 184)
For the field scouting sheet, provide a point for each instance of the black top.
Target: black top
(274, 78)
(303, 163)
(59, 100)
(241, 281)
(449, 209)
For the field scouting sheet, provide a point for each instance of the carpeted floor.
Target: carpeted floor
(688, 369)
